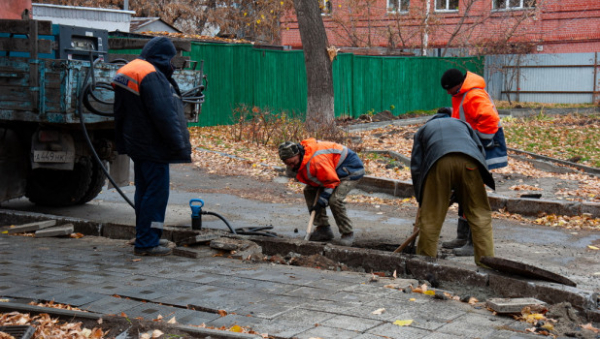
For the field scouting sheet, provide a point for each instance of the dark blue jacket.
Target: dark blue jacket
(439, 136)
(149, 119)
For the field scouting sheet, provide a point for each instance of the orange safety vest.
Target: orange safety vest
(477, 107)
(321, 159)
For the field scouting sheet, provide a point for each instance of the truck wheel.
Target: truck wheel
(58, 188)
(98, 180)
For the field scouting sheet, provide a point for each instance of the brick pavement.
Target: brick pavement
(283, 301)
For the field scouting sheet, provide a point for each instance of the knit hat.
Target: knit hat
(451, 78)
(288, 150)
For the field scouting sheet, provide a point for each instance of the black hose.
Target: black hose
(87, 137)
(220, 217)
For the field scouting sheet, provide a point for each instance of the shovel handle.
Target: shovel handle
(407, 241)
(313, 214)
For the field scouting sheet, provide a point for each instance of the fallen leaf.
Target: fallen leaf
(402, 323)
(236, 328)
(590, 327)
(172, 321)
(412, 299)
(136, 260)
(593, 247)
(378, 311)
(157, 333)
(222, 313)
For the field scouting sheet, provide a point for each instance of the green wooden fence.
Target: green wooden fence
(239, 74)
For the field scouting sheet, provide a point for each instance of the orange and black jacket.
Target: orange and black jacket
(325, 164)
(149, 119)
(476, 106)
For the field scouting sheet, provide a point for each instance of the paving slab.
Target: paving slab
(63, 230)
(77, 298)
(327, 332)
(111, 305)
(473, 325)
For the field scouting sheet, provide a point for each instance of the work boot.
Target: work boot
(462, 233)
(157, 251)
(347, 239)
(467, 250)
(163, 242)
(322, 233)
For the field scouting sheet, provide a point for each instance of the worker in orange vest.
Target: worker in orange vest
(472, 103)
(330, 170)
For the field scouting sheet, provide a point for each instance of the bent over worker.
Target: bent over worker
(448, 158)
(472, 103)
(331, 169)
(151, 128)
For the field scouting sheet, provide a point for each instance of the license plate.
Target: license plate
(49, 156)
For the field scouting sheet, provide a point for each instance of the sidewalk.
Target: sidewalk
(282, 301)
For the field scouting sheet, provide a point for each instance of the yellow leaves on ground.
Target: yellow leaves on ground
(402, 323)
(578, 222)
(236, 328)
(593, 248)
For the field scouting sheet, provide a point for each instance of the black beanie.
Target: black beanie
(451, 78)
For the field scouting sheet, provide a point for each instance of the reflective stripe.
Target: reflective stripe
(343, 156)
(485, 136)
(157, 224)
(498, 160)
(343, 152)
(126, 82)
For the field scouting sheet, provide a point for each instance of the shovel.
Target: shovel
(411, 239)
(312, 216)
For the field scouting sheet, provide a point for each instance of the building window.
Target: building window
(447, 5)
(513, 4)
(396, 6)
(326, 7)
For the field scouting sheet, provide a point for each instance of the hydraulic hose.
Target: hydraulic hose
(87, 137)
(220, 217)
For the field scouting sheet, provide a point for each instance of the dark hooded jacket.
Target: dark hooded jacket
(439, 136)
(149, 119)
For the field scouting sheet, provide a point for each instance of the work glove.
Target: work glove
(445, 110)
(318, 207)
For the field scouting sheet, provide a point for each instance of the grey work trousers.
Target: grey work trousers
(337, 204)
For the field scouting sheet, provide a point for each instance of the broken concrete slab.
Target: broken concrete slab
(30, 227)
(511, 305)
(63, 230)
(231, 244)
(199, 238)
(187, 252)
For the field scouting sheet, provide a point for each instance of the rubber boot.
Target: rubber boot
(467, 250)
(462, 234)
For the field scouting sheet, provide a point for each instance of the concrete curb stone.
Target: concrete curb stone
(524, 206)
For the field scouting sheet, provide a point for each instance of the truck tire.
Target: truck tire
(95, 187)
(58, 188)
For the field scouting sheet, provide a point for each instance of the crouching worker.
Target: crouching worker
(448, 156)
(331, 169)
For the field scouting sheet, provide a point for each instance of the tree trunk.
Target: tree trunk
(319, 110)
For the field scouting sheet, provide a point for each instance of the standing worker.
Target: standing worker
(448, 158)
(332, 169)
(472, 103)
(151, 128)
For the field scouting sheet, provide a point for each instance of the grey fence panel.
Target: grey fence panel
(545, 78)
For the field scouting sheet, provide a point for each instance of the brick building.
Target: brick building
(462, 26)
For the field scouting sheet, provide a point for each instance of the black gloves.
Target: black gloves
(317, 208)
